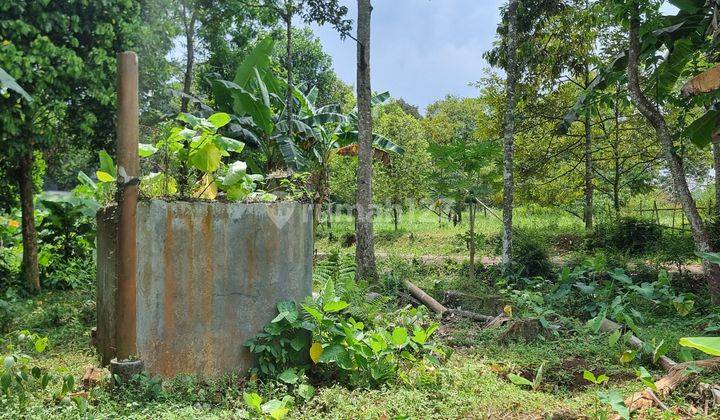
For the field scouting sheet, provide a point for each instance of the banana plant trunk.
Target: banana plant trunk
(289, 66)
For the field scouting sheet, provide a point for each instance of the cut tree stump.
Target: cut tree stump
(523, 329)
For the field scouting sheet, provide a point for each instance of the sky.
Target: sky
(421, 50)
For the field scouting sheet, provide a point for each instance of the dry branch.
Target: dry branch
(439, 308)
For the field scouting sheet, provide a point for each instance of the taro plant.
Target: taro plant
(275, 409)
(522, 381)
(200, 147)
(707, 345)
(341, 346)
(599, 293)
(611, 398)
(19, 377)
(365, 355)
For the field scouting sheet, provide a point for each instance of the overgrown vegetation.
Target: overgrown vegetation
(545, 249)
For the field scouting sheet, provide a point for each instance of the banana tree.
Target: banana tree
(254, 98)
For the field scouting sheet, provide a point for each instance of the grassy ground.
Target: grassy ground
(472, 384)
(421, 233)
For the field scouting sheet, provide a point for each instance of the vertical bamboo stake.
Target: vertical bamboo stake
(673, 220)
(657, 212)
(127, 154)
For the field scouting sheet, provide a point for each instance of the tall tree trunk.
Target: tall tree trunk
(31, 269)
(509, 135)
(395, 217)
(716, 159)
(680, 185)
(289, 66)
(616, 161)
(589, 188)
(471, 245)
(189, 27)
(365, 249)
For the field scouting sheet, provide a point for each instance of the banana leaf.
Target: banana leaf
(231, 96)
(8, 82)
(347, 138)
(258, 59)
(291, 154)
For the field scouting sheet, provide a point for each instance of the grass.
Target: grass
(472, 384)
(420, 232)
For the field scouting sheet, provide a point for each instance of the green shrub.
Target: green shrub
(19, 378)
(326, 341)
(676, 249)
(531, 256)
(630, 235)
(73, 274)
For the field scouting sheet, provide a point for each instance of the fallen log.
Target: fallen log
(610, 326)
(677, 373)
(471, 315)
(676, 376)
(440, 309)
(426, 299)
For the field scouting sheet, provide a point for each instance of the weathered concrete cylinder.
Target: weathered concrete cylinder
(209, 276)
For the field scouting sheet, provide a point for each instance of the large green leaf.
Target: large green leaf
(264, 95)
(8, 82)
(713, 257)
(298, 127)
(207, 158)
(226, 144)
(106, 163)
(380, 98)
(701, 130)
(708, 345)
(146, 150)
(219, 119)
(669, 71)
(384, 143)
(292, 155)
(259, 58)
(328, 117)
(244, 103)
(346, 138)
(236, 173)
